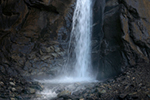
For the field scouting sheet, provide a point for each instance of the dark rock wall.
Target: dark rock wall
(34, 35)
(125, 40)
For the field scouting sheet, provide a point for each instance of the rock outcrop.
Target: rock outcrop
(124, 36)
(31, 34)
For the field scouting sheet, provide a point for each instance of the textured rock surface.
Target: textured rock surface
(30, 35)
(133, 84)
(125, 34)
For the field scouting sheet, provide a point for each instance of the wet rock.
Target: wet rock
(12, 99)
(48, 49)
(61, 53)
(19, 97)
(45, 57)
(37, 86)
(57, 49)
(40, 64)
(134, 93)
(13, 89)
(11, 83)
(27, 66)
(54, 55)
(39, 95)
(1, 83)
(122, 96)
(93, 90)
(102, 91)
(64, 93)
(82, 99)
(19, 89)
(31, 91)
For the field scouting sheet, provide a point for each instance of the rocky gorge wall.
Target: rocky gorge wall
(34, 35)
(124, 35)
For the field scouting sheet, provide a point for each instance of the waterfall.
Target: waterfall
(81, 38)
(78, 66)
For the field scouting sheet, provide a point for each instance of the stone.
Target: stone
(57, 49)
(122, 96)
(1, 83)
(61, 53)
(102, 91)
(10, 79)
(134, 93)
(39, 95)
(45, 57)
(54, 55)
(27, 66)
(148, 95)
(41, 52)
(31, 90)
(19, 89)
(64, 93)
(93, 90)
(127, 87)
(13, 89)
(81, 99)
(12, 99)
(19, 97)
(11, 83)
(2, 68)
(49, 50)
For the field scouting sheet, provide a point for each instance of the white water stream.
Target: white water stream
(81, 39)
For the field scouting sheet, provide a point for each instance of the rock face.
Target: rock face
(123, 34)
(34, 35)
(30, 35)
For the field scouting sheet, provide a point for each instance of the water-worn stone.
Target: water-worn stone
(12, 99)
(13, 89)
(31, 90)
(11, 83)
(102, 91)
(1, 83)
(45, 57)
(122, 96)
(64, 93)
(54, 55)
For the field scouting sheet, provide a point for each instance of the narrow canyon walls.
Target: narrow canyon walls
(34, 35)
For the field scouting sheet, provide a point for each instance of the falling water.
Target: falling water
(78, 67)
(79, 59)
(81, 38)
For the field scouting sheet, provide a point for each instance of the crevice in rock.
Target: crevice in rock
(38, 5)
